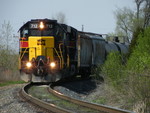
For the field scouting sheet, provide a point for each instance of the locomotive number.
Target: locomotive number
(49, 26)
(33, 25)
(36, 26)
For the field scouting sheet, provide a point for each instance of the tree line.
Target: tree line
(129, 82)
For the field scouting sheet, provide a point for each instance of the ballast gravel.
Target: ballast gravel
(10, 101)
(81, 90)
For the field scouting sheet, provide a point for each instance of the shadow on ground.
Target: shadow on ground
(82, 86)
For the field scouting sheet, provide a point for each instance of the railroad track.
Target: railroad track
(57, 109)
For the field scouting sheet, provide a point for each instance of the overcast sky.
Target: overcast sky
(96, 15)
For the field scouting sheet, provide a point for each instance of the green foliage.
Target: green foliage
(134, 40)
(8, 60)
(113, 69)
(138, 67)
(140, 58)
(133, 78)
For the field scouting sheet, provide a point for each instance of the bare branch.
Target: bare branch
(146, 13)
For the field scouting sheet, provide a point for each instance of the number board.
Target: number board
(36, 26)
(33, 26)
(40, 42)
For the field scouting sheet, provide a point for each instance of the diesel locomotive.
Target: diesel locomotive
(48, 48)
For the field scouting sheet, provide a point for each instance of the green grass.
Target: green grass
(42, 94)
(11, 83)
(101, 100)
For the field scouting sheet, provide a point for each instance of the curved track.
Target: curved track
(45, 105)
(55, 108)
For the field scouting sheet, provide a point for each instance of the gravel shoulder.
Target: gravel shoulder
(10, 101)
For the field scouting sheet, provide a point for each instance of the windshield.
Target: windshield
(36, 32)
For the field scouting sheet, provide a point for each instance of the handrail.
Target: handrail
(26, 50)
(68, 60)
(23, 53)
(61, 54)
(58, 57)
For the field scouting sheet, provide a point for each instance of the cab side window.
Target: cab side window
(24, 34)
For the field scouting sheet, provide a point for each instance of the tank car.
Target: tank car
(91, 52)
(116, 47)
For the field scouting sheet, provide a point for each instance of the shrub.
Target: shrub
(138, 68)
(113, 69)
(8, 65)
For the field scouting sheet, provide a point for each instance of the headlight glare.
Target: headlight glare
(52, 64)
(28, 64)
(41, 25)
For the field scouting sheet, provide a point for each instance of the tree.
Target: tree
(138, 4)
(125, 19)
(8, 40)
(6, 34)
(60, 17)
(143, 12)
(8, 57)
(146, 11)
(129, 21)
(141, 23)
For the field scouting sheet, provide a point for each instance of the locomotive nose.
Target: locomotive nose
(41, 46)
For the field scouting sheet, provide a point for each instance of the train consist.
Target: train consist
(48, 48)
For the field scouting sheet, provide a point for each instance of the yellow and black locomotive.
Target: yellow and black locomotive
(48, 48)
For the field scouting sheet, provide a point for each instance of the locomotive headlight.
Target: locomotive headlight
(41, 25)
(52, 65)
(28, 64)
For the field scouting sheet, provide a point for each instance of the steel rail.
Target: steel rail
(99, 107)
(47, 106)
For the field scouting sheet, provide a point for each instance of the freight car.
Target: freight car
(51, 49)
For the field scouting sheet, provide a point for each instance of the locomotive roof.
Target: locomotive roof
(84, 34)
(96, 37)
(37, 20)
(91, 35)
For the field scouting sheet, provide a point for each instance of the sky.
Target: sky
(96, 15)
